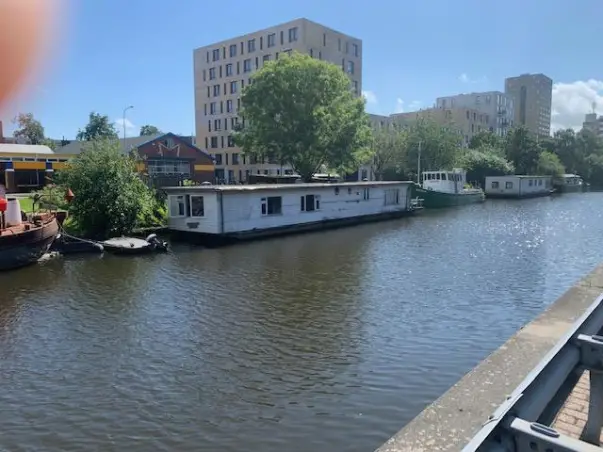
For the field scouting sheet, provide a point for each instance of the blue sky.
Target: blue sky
(140, 52)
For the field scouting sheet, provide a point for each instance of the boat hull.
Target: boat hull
(27, 247)
(563, 188)
(435, 199)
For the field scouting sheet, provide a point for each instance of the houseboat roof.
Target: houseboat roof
(263, 187)
(570, 175)
(520, 176)
(32, 149)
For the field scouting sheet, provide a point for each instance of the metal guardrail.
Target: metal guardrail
(521, 422)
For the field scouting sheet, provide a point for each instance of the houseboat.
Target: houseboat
(226, 212)
(446, 189)
(568, 183)
(516, 186)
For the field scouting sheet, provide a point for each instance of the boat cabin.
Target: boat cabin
(518, 186)
(253, 210)
(445, 181)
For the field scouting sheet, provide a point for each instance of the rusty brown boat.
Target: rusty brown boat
(27, 242)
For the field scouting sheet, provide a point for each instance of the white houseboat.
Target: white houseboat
(518, 186)
(250, 211)
(568, 183)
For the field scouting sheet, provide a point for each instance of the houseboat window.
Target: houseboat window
(509, 185)
(366, 194)
(273, 205)
(540, 182)
(197, 206)
(530, 182)
(178, 205)
(310, 203)
(349, 191)
(495, 184)
(336, 190)
(443, 176)
(392, 196)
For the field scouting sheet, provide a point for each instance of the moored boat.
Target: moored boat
(446, 189)
(24, 241)
(568, 183)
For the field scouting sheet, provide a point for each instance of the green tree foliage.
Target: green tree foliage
(148, 130)
(300, 111)
(388, 146)
(439, 146)
(549, 165)
(522, 150)
(110, 198)
(99, 127)
(486, 139)
(482, 162)
(29, 129)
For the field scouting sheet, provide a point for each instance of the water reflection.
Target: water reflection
(313, 342)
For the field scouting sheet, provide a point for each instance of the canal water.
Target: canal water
(323, 341)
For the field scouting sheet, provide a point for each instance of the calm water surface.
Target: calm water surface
(323, 341)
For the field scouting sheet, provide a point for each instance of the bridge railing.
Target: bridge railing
(522, 422)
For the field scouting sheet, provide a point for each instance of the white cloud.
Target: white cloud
(571, 101)
(464, 78)
(403, 107)
(370, 97)
(130, 127)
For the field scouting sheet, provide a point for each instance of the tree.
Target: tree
(486, 139)
(549, 165)
(439, 146)
(29, 129)
(522, 150)
(482, 162)
(388, 147)
(148, 130)
(98, 127)
(110, 198)
(300, 111)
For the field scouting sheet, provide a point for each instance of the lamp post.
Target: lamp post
(124, 123)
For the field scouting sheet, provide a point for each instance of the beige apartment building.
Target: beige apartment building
(222, 70)
(466, 121)
(532, 96)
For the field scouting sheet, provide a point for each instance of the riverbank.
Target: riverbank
(450, 422)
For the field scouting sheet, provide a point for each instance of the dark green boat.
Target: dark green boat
(446, 189)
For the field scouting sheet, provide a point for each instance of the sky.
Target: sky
(110, 54)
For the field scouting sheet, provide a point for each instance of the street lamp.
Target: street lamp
(124, 123)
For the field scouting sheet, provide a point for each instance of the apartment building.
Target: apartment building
(593, 123)
(465, 121)
(532, 95)
(497, 106)
(222, 70)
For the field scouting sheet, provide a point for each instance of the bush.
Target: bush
(109, 196)
(483, 162)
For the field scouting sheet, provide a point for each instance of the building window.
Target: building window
(310, 203)
(229, 106)
(272, 205)
(178, 206)
(217, 124)
(214, 142)
(233, 50)
(350, 68)
(231, 142)
(509, 185)
(233, 87)
(212, 108)
(271, 39)
(218, 159)
(293, 34)
(247, 65)
(164, 166)
(495, 184)
(355, 86)
(251, 46)
(392, 196)
(228, 69)
(197, 209)
(216, 90)
(215, 54)
(355, 49)
(212, 73)
(235, 157)
(366, 194)
(266, 58)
